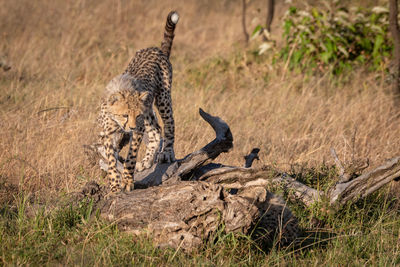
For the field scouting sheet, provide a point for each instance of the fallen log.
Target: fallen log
(186, 202)
(267, 177)
(183, 214)
(362, 186)
(347, 190)
(186, 214)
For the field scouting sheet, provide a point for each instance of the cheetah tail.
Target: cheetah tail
(166, 44)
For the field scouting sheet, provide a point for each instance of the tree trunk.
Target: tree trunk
(246, 35)
(395, 31)
(270, 14)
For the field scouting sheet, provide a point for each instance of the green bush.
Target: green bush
(335, 39)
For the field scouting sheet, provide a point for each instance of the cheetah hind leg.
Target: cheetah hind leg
(163, 104)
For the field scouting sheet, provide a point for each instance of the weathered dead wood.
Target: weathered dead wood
(251, 157)
(223, 142)
(339, 166)
(186, 214)
(365, 184)
(183, 214)
(343, 192)
(346, 174)
(267, 177)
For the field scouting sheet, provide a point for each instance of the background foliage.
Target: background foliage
(336, 38)
(333, 37)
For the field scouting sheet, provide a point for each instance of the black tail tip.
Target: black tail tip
(173, 16)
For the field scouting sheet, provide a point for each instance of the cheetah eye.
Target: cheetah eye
(139, 118)
(125, 116)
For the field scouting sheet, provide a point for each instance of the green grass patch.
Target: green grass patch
(366, 232)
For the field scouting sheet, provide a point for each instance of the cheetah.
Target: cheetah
(127, 110)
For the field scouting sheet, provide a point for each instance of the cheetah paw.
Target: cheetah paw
(111, 194)
(129, 187)
(143, 165)
(166, 157)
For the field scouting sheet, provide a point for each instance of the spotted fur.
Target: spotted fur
(127, 109)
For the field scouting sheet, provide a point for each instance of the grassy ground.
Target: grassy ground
(363, 234)
(63, 53)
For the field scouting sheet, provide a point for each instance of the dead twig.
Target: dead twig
(251, 157)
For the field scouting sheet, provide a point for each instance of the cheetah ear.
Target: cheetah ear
(115, 97)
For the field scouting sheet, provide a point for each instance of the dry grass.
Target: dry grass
(63, 53)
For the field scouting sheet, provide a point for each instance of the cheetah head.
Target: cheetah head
(127, 108)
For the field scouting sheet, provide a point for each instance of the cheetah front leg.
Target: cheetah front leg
(130, 161)
(114, 177)
(154, 134)
(164, 106)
